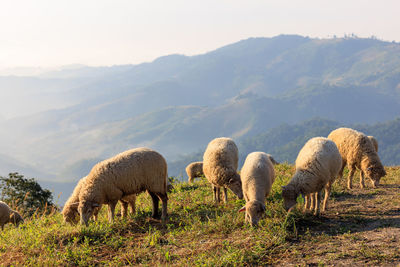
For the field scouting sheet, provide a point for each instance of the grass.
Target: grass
(197, 232)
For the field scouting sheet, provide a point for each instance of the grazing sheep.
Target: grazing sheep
(317, 166)
(220, 162)
(257, 177)
(70, 210)
(358, 152)
(7, 215)
(374, 142)
(272, 159)
(127, 173)
(194, 169)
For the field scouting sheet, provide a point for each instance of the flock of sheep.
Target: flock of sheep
(125, 175)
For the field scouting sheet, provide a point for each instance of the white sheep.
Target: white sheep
(317, 165)
(70, 209)
(127, 173)
(194, 169)
(257, 176)
(358, 152)
(220, 162)
(7, 215)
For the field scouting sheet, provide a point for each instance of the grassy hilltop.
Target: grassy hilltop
(360, 227)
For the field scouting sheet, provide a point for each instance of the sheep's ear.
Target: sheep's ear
(95, 205)
(242, 209)
(74, 205)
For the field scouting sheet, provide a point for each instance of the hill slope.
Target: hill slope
(176, 104)
(360, 227)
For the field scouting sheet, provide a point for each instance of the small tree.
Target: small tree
(26, 194)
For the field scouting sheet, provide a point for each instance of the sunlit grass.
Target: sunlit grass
(197, 232)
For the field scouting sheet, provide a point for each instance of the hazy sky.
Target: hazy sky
(106, 32)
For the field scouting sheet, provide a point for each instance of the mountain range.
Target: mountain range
(64, 121)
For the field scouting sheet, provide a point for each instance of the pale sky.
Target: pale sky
(50, 33)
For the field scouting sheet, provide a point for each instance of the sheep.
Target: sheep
(257, 177)
(358, 151)
(220, 162)
(130, 172)
(317, 165)
(374, 142)
(274, 162)
(70, 210)
(7, 215)
(194, 169)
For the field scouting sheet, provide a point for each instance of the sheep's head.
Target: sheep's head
(86, 210)
(289, 195)
(70, 213)
(375, 173)
(254, 211)
(16, 218)
(235, 184)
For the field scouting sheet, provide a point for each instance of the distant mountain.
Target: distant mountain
(177, 104)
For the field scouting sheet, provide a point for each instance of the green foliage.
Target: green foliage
(25, 194)
(197, 232)
(284, 142)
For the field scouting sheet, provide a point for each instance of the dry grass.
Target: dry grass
(360, 227)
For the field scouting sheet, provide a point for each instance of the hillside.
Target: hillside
(285, 141)
(177, 104)
(360, 227)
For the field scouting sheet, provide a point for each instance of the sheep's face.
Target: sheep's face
(375, 174)
(71, 215)
(235, 184)
(86, 210)
(16, 218)
(254, 211)
(289, 197)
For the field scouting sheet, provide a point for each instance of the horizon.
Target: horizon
(38, 70)
(103, 33)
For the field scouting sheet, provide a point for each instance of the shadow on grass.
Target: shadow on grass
(346, 223)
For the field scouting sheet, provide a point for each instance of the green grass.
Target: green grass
(197, 232)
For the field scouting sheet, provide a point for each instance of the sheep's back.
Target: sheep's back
(320, 157)
(132, 171)
(221, 156)
(352, 144)
(257, 176)
(4, 213)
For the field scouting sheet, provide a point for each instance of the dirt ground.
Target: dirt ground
(361, 227)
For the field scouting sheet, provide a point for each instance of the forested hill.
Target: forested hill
(177, 104)
(285, 141)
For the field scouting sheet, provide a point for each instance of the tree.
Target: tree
(26, 194)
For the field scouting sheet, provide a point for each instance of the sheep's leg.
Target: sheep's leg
(217, 196)
(362, 183)
(111, 209)
(132, 206)
(155, 199)
(190, 179)
(307, 200)
(124, 208)
(312, 204)
(164, 199)
(350, 177)
(327, 193)
(225, 195)
(96, 213)
(317, 197)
